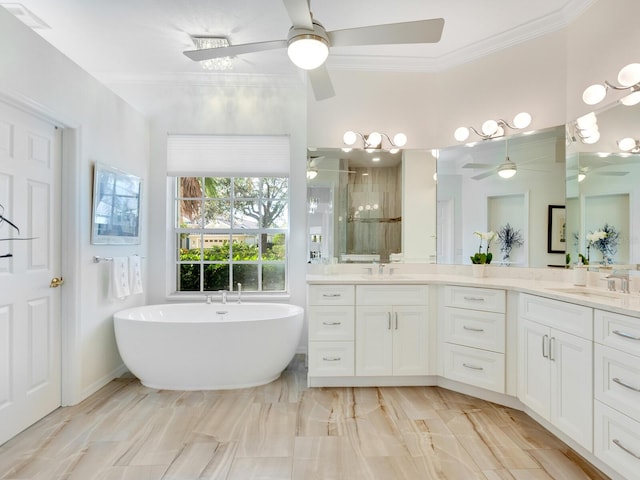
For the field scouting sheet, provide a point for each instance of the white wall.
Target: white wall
(107, 130)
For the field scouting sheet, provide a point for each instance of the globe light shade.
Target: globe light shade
(489, 127)
(593, 138)
(400, 140)
(629, 75)
(522, 120)
(374, 139)
(393, 151)
(586, 121)
(626, 144)
(594, 94)
(349, 138)
(632, 99)
(507, 170)
(308, 52)
(461, 134)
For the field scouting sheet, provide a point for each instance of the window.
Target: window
(231, 230)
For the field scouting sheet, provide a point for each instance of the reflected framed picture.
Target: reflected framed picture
(557, 230)
(115, 216)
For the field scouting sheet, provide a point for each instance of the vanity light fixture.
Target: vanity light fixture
(494, 128)
(222, 63)
(628, 79)
(375, 141)
(629, 144)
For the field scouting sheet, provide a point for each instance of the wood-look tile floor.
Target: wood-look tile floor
(285, 430)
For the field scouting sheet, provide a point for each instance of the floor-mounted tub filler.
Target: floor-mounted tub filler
(203, 346)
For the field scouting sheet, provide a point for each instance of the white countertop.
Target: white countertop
(533, 281)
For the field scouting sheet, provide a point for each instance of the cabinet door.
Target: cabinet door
(410, 340)
(534, 370)
(571, 358)
(374, 341)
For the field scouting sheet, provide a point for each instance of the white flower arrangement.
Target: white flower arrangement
(485, 257)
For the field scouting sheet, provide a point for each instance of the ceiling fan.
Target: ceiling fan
(313, 167)
(308, 42)
(506, 169)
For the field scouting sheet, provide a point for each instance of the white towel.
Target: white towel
(119, 278)
(135, 274)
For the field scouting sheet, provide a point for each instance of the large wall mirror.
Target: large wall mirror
(473, 196)
(602, 188)
(370, 206)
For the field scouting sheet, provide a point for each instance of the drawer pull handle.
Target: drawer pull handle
(472, 329)
(626, 335)
(474, 299)
(396, 320)
(332, 323)
(472, 367)
(626, 385)
(389, 318)
(552, 349)
(331, 359)
(545, 339)
(331, 295)
(619, 444)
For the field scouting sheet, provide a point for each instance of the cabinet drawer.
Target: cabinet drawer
(617, 440)
(473, 328)
(475, 367)
(392, 294)
(486, 299)
(331, 295)
(568, 317)
(618, 331)
(331, 359)
(331, 322)
(617, 380)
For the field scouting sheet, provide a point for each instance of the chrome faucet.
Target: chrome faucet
(224, 296)
(623, 275)
(381, 268)
(239, 292)
(208, 299)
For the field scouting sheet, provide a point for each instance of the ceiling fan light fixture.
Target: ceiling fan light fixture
(507, 169)
(581, 176)
(308, 49)
(312, 173)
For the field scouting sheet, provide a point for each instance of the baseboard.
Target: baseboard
(98, 384)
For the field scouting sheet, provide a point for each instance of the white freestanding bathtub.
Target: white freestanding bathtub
(200, 346)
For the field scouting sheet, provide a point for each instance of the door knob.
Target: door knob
(56, 282)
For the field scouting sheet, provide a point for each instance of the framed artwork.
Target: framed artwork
(115, 216)
(557, 229)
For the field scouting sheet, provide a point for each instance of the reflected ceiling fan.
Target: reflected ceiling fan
(308, 42)
(313, 169)
(506, 169)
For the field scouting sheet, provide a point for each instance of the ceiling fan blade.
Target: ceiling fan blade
(299, 13)
(484, 175)
(421, 31)
(321, 83)
(232, 50)
(477, 165)
(611, 174)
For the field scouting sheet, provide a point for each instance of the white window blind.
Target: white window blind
(231, 155)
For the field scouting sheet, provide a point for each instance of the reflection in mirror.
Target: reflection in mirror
(602, 187)
(473, 196)
(370, 206)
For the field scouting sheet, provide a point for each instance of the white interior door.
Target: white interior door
(30, 332)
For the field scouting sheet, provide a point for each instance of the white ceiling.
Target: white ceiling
(142, 40)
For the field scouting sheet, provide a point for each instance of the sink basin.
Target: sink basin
(386, 277)
(591, 293)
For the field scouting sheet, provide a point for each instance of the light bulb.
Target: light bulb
(522, 120)
(594, 94)
(489, 127)
(629, 75)
(586, 121)
(632, 99)
(374, 139)
(461, 134)
(400, 140)
(349, 138)
(626, 144)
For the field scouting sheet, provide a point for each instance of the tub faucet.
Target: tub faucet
(239, 292)
(208, 299)
(224, 296)
(381, 268)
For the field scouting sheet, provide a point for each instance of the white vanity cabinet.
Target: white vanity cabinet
(555, 357)
(472, 333)
(617, 391)
(391, 330)
(331, 330)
